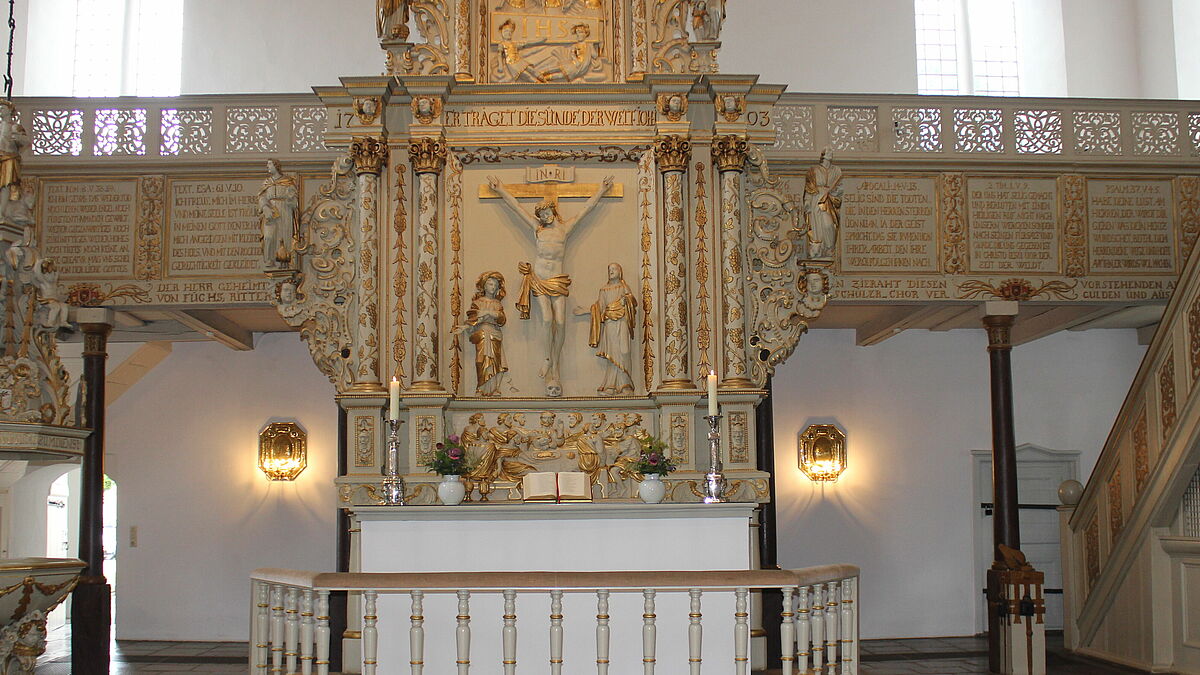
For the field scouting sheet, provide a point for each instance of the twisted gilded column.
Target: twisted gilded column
(369, 155)
(729, 155)
(672, 154)
(428, 157)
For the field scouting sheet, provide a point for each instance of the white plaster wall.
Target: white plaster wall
(1187, 47)
(1156, 49)
(185, 440)
(913, 408)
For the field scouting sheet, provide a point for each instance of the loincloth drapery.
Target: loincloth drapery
(532, 284)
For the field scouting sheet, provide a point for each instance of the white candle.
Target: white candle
(712, 392)
(394, 399)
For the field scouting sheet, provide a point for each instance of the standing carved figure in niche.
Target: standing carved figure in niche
(545, 279)
(612, 332)
(822, 205)
(485, 319)
(391, 19)
(13, 139)
(707, 17)
(279, 215)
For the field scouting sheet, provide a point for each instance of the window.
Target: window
(967, 47)
(111, 48)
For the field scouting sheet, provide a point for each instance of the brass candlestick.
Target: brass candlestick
(393, 483)
(714, 480)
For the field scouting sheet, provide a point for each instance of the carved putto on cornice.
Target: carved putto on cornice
(672, 153)
(672, 106)
(729, 152)
(369, 154)
(426, 109)
(730, 106)
(367, 108)
(428, 155)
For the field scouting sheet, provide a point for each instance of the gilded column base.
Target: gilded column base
(736, 383)
(676, 385)
(367, 387)
(427, 386)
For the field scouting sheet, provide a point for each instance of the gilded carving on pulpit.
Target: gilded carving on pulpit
(549, 41)
(391, 19)
(16, 208)
(611, 334)
(484, 328)
(545, 279)
(822, 205)
(279, 216)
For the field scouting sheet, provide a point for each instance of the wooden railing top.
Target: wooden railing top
(482, 581)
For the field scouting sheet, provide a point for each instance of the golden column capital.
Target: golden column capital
(729, 153)
(428, 155)
(999, 330)
(369, 154)
(672, 152)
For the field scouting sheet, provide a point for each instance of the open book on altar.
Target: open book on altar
(564, 486)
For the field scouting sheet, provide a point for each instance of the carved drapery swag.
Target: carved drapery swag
(786, 291)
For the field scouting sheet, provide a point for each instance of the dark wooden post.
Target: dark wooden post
(998, 321)
(768, 549)
(91, 607)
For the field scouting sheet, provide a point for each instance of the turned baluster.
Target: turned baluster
(306, 632)
(416, 633)
(832, 621)
(818, 628)
(291, 633)
(695, 632)
(276, 628)
(649, 632)
(462, 634)
(602, 632)
(370, 633)
(556, 632)
(803, 631)
(787, 633)
(741, 632)
(510, 632)
(849, 627)
(322, 632)
(262, 615)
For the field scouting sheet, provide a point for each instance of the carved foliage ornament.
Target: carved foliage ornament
(729, 153)
(369, 154)
(428, 155)
(672, 153)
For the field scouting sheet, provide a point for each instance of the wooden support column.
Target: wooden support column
(673, 153)
(91, 609)
(998, 321)
(369, 154)
(428, 157)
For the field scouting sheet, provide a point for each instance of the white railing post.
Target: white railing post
(695, 632)
(262, 624)
(556, 632)
(787, 634)
(462, 634)
(509, 633)
(850, 654)
(832, 621)
(322, 632)
(306, 632)
(602, 632)
(649, 632)
(416, 633)
(818, 627)
(803, 631)
(741, 632)
(277, 628)
(291, 628)
(370, 633)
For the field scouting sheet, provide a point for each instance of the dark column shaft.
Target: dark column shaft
(1005, 524)
(338, 610)
(768, 551)
(91, 611)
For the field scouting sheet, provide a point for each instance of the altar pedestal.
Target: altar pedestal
(557, 537)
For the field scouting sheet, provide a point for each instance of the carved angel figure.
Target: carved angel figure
(611, 333)
(391, 19)
(485, 320)
(52, 309)
(816, 293)
(822, 205)
(707, 17)
(279, 216)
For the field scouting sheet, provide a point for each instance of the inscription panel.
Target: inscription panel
(889, 224)
(88, 226)
(214, 228)
(1130, 227)
(1013, 225)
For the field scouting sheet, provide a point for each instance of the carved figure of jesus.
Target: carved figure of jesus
(545, 279)
(612, 332)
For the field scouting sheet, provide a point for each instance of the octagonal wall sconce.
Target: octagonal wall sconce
(822, 452)
(282, 450)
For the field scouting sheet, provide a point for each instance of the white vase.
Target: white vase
(451, 490)
(652, 489)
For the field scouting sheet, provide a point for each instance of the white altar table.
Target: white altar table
(556, 537)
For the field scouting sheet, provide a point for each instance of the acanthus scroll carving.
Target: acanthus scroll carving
(428, 155)
(672, 153)
(729, 153)
(780, 284)
(369, 154)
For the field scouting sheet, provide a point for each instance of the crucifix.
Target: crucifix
(545, 279)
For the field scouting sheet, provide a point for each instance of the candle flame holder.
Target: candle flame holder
(714, 480)
(393, 482)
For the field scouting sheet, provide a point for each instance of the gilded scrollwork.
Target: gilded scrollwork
(703, 329)
(454, 198)
(669, 45)
(646, 210)
(431, 56)
(1141, 452)
(1073, 189)
(1116, 516)
(605, 153)
(954, 227)
(147, 261)
(1166, 395)
(1018, 289)
(400, 273)
(1187, 201)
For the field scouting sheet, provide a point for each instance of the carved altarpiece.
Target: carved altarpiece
(534, 168)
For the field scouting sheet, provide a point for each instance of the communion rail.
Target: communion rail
(290, 622)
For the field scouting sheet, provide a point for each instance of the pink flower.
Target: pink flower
(439, 446)
(454, 453)
(453, 438)
(653, 459)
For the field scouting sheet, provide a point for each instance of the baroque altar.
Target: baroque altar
(549, 222)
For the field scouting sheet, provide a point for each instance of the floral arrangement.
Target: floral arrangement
(654, 458)
(449, 458)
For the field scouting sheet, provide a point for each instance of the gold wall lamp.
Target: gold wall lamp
(822, 452)
(282, 450)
